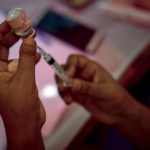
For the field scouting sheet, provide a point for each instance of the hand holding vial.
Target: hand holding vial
(20, 107)
(21, 25)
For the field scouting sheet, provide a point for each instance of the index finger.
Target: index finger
(76, 62)
(81, 67)
(4, 27)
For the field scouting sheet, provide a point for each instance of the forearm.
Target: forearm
(23, 136)
(134, 124)
(25, 141)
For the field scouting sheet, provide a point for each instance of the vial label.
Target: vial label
(19, 22)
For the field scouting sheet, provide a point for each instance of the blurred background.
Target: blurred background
(115, 33)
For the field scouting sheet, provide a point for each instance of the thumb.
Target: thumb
(84, 88)
(26, 67)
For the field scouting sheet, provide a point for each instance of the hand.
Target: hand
(20, 107)
(145, 4)
(95, 89)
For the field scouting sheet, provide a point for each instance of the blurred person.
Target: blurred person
(96, 90)
(20, 107)
(144, 4)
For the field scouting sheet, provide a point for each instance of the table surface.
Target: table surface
(122, 44)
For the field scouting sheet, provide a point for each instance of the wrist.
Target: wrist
(129, 110)
(24, 138)
(134, 124)
(132, 112)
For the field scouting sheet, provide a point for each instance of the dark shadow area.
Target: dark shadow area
(108, 138)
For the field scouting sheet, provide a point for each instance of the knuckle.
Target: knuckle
(76, 86)
(86, 88)
(71, 57)
(80, 87)
(83, 57)
(61, 90)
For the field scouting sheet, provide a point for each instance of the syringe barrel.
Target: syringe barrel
(60, 71)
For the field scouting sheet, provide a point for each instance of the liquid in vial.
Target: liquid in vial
(20, 23)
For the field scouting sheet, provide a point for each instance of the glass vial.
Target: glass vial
(20, 23)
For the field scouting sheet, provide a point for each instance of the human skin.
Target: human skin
(142, 4)
(20, 107)
(145, 4)
(96, 90)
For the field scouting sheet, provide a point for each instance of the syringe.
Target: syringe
(57, 68)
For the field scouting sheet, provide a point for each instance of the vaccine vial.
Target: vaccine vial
(20, 23)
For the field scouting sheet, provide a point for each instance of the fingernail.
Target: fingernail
(68, 100)
(70, 71)
(29, 41)
(68, 83)
(60, 88)
(65, 84)
(15, 62)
